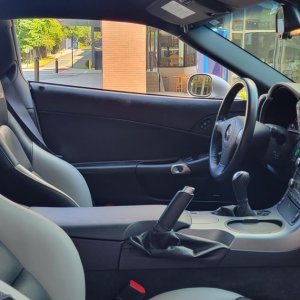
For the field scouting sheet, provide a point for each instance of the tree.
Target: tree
(41, 35)
(83, 33)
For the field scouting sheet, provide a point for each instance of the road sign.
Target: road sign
(75, 43)
(27, 50)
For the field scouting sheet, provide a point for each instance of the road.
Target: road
(79, 75)
(80, 59)
(75, 77)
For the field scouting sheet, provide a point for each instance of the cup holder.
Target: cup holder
(255, 226)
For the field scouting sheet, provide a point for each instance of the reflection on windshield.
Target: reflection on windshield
(253, 29)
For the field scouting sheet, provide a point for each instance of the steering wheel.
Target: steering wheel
(232, 137)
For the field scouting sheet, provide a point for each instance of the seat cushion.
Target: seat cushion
(39, 259)
(199, 294)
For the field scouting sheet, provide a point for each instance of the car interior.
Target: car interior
(115, 195)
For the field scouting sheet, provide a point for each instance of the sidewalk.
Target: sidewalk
(74, 77)
(78, 77)
(65, 58)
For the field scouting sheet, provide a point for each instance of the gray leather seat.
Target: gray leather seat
(40, 262)
(199, 294)
(38, 259)
(42, 179)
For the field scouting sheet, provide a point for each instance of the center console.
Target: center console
(106, 237)
(289, 206)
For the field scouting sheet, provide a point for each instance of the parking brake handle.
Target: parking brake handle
(174, 210)
(163, 241)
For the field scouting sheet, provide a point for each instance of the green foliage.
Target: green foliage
(38, 34)
(98, 35)
(83, 33)
(45, 35)
(243, 94)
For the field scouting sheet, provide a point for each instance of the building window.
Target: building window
(238, 20)
(171, 50)
(190, 56)
(237, 38)
(261, 44)
(152, 40)
(259, 17)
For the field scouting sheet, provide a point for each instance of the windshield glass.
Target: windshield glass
(253, 29)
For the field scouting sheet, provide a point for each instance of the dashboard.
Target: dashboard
(279, 107)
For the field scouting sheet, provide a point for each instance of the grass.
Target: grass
(46, 60)
(43, 62)
(83, 47)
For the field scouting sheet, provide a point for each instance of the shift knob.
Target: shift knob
(240, 182)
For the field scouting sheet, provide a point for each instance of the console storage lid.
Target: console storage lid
(114, 223)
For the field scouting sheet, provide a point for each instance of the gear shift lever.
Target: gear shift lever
(240, 183)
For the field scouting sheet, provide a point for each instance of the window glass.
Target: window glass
(260, 44)
(287, 58)
(253, 29)
(68, 51)
(171, 50)
(259, 18)
(238, 21)
(110, 55)
(190, 56)
(237, 38)
(152, 47)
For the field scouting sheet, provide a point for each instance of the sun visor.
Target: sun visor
(184, 12)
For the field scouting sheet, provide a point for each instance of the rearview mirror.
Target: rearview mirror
(287, 21)
(207, 86)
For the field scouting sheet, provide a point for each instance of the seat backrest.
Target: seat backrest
(45, 179)
(37, 257)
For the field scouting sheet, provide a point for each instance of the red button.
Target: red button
(137, 287)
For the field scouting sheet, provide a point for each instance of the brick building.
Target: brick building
(137, 58)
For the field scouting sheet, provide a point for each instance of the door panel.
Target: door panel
(86, 138)
(126, 144)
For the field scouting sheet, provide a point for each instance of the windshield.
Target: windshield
(253, 29)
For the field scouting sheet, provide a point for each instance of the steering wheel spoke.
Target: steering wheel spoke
(221, 126)
(224, 159)
(239, 137)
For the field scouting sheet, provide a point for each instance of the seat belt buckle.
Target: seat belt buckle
(133, 291)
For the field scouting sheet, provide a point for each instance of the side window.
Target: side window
(110, 55)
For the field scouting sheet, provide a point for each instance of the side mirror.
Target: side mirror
(208, 86)
(287, 21)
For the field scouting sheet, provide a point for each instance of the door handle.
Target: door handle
(180, 169)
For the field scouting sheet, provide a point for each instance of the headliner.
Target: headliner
(117, 10)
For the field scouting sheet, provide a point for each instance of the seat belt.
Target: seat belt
(20, 112)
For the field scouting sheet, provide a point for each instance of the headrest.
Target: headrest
(3, 108)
